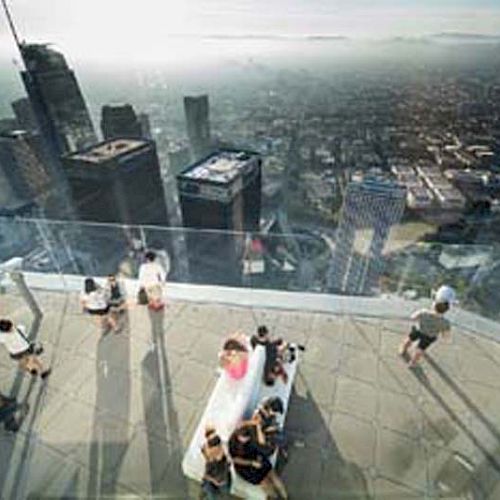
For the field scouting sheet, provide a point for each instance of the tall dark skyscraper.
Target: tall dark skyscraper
(221, 192)
(62, 117)
(120, 121)
(196, 109)
(56, 99)
(22, 163)
(371, 207)
(118, 181)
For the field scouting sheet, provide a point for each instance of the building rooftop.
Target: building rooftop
(222, 167)
(108, 150)
(118, 411)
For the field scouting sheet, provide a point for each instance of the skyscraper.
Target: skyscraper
(196, 109)
(22, 163)
(120, 121)
(24, 114)
(371, 207)
(222, 192)
(118, 181)
(56, 99)
(145, 125)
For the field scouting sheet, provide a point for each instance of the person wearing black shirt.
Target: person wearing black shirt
(217, 477)
(247, 447)
(273, 365)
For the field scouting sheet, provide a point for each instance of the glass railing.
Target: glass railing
(437, 426)
(302, 260)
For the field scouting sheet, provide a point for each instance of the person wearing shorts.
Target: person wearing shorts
(430, 324)
(20, 349)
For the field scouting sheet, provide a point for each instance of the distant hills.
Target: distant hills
(465, 37)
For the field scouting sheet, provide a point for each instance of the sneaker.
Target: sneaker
(46, 373)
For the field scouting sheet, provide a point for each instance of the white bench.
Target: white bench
(240, 487)
(231, 402)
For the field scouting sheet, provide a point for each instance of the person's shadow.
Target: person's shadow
(26, 421)
(162, 427)
(315, 466)
(110, 436)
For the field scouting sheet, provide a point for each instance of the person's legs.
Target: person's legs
(23, 364)
(417, 356)
(111, 321)
(155, 296)
(208, 490)
(423, 343)
(280, 371)
(34, 364)
(403, 348)
(268, 487)
(412, 337)
(277, 484)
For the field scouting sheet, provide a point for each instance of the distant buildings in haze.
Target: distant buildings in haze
(196, 109)
(121, 121)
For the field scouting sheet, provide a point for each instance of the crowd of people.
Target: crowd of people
(254, 441)
(250, 448)
(108, 302)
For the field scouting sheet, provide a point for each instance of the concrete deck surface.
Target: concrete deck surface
(118, 411)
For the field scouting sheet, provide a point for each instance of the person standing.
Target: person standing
(20, 349)
(152, 278)
(430, 323)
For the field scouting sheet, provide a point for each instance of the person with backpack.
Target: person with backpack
(13, 337)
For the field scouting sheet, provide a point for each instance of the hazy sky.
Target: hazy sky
(144, 28)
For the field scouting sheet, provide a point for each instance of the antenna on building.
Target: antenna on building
(11, 24)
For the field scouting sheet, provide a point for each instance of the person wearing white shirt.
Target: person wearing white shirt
(14, 339)
(152, 277)
(95, 303)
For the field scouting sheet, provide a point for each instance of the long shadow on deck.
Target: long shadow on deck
(9, 443)
(110, 435)
(318, 470)
(162, 427)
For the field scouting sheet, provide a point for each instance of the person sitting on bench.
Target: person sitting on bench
(217, 477)
(250, 460)
(266, 415)
(234, 356)
(275, 355)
